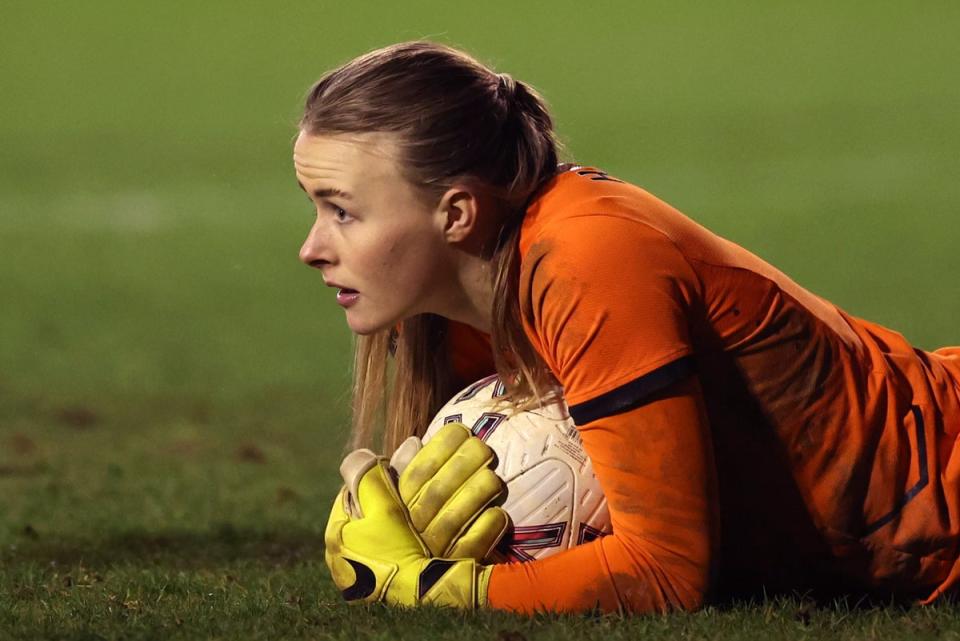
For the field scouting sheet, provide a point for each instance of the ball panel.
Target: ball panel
(544, 492)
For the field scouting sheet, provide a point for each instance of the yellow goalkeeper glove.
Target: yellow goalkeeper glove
(374, 553)
(447, 485)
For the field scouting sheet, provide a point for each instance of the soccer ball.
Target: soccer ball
(553, 497)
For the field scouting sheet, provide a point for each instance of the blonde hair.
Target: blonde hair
(453, 118)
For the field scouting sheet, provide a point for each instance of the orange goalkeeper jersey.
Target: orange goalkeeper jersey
(746, 432)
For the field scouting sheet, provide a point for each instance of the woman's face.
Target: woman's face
(375, 239)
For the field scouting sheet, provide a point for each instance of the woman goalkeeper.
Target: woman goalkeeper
(747, 434)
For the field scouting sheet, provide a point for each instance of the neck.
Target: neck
(472, 299)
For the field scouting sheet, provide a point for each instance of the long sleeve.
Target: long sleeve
(655, 465)
(607, 302)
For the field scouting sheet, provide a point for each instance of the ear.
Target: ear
(458, 211)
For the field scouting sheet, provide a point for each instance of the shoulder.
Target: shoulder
(586, 208)
(588, 225)
(605, 292)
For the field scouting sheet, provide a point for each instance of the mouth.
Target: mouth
(347, 297)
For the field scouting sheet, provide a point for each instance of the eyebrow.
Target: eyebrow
(326, 193)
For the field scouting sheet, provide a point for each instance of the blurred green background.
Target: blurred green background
(167, 365)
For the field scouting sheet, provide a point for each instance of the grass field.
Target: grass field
(173, 381)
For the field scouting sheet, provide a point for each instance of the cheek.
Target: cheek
(409, 255)
(379, 260)
(398, 260)
(421, 261)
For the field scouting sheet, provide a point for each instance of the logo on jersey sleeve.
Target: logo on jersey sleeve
(596, 174)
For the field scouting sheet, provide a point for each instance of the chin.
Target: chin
(365, 327)
(362, 329)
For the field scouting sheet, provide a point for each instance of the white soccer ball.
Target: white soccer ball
(553, 497)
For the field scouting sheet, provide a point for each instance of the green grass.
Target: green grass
(173, 382)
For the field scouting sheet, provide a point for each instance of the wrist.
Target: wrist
(458, 583)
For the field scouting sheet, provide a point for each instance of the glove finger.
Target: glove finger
(482, 537)
(371, 490)
(437, 492)
(352, 469)
(461, 510)
(404, 454)
(431, 458)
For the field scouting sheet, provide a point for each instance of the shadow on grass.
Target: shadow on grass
(177, 549)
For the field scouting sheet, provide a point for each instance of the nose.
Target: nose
(316, 251)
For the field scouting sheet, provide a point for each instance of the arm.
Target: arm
(608, 303)
(655, 465)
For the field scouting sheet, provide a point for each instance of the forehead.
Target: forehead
(355, 159)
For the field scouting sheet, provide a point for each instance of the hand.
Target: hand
(447, 485)
(374, 553)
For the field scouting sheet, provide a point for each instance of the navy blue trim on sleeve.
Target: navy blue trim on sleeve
(632, 394)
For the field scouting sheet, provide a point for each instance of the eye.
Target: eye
(340, 214)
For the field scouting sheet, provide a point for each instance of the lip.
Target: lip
(346, 296)
(347, 299)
